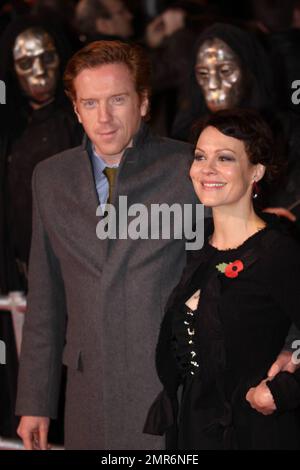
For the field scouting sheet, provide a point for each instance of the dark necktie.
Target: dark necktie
(110, 174)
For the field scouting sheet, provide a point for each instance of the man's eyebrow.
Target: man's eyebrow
(122, 93)
(88, 99)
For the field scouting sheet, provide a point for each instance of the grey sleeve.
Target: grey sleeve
(44, 327)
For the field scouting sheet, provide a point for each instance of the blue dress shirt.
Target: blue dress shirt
(101, 181)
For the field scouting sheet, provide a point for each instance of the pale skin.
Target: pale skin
(110, 110)
(33, 430)
(223, 177)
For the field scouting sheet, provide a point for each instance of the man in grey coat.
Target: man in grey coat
(95, 304)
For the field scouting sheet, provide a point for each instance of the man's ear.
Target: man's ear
(76, 112)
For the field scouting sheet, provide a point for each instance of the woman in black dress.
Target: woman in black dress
(227, 320)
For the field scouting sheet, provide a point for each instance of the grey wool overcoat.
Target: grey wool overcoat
(96, 305)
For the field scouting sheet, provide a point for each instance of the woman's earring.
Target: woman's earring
(255, 190)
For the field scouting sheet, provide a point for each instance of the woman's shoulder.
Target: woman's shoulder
(281, 235)
(281, 249)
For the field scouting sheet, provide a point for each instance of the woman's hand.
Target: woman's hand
(284, 362)
(261, 399)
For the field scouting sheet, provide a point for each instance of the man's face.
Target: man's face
(219, 74)
(120, 21)
(36, 64)
(109, 108)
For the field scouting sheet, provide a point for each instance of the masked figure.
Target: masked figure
(40, 113)
(37, 123)
(230, 69)
(218, 72)
(36, 64)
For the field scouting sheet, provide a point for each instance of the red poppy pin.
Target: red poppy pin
(231, 270)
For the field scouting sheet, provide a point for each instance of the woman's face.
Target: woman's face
(221, 173)
(218, 72)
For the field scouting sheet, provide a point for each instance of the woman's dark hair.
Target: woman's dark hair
(248, 126)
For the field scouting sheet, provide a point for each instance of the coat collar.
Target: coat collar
(130, 155)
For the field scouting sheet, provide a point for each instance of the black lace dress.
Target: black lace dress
(249, 298)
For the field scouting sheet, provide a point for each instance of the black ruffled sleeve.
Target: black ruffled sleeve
(283, 279)
(285, 388)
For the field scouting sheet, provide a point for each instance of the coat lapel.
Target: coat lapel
(84, 200)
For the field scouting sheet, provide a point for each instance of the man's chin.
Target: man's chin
(109, 150)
